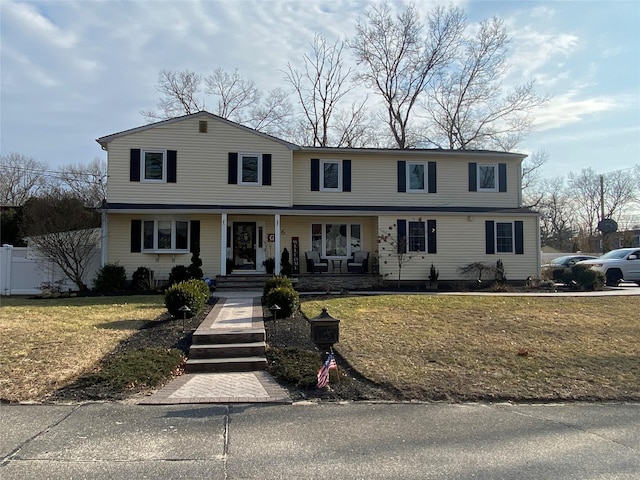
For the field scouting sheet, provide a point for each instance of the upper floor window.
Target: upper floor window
(165, 235)
(154, 165)
(249, 171)
(331, 176)
(416, 176)
(487, 178)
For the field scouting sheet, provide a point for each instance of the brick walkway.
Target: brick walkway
(236, 310)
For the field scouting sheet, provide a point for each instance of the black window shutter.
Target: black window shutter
(432, 246)
(134, 165)
(431, 174)
(473, 179)
(315, 174)
(266, 169)
(233, 168)
(519, 234)
(172, 157)
(402, 236)
(490, 237)
(195, 235)
(136, 236)
(346, 175)
(402, 176)
(502, 177)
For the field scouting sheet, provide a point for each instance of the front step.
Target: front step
(228, 350)
(244, 335)
(212, 365)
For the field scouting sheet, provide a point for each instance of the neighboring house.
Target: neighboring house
(244, 196)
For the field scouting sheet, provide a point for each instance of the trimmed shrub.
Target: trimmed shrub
(286, 298)
(192, 293)
(275, 282)
(110, 278)
(588, 279)
(195, 270)
(178, 274)
(285, 264)
(142, 280)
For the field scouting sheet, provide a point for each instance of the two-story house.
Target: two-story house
(244, 196)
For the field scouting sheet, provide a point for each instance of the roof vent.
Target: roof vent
(203, 126)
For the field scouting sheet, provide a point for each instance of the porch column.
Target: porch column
(277, 255)
(223, 244)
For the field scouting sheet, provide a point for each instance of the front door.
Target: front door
(244, 245)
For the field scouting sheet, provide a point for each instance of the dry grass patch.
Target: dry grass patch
(47, 344)
(492, 348)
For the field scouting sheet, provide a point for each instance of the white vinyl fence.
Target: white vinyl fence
(24, 273)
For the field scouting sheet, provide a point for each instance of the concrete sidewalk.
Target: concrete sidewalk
(236, 311)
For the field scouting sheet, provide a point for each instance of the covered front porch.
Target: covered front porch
(254, 244)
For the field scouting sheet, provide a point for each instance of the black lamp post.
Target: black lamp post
(184, 309)
(325, 331)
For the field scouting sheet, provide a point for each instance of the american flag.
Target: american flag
(323, 373)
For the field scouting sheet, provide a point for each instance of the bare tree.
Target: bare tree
(236, 95)
(556, 215)
(86, 182)
(470, 107)
(61, 229)
(401, 58)
(320, 88)
(532, 195)
(179, 95)
(21, 177)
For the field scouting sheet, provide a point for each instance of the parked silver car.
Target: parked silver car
(618, 265)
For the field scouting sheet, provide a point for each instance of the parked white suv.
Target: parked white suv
(617, 265)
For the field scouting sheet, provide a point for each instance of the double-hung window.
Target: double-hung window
(417, 176)
(165, 235)
(331, 176)
(416, 237)
(337, 240)
(249, 169)
(504, 237)
(153, 165)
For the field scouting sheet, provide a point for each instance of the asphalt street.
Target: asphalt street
(320, 441)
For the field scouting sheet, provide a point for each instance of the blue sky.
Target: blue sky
(73, 71)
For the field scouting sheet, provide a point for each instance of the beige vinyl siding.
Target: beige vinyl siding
(374, 182)
(202, 166)
(119, 247)
(460, 241)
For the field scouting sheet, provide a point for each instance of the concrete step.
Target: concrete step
(210, 365)
(241, 335)
(227, 350)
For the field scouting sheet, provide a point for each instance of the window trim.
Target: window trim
(423, 237)
(174, 230)
(241, 157)
(425, 177)
(322, 177)
(496, 180)
(513, 237)
(323, 246)
(143, 177)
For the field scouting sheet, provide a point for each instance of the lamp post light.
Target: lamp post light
(274, 311)
(184, 309)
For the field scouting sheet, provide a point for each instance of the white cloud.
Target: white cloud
(27, 18)
(569, 108)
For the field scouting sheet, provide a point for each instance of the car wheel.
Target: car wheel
(614, 277)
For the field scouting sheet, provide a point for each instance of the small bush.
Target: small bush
(285, 264)
(192, 293)
(110, 278)
(178, 274)
(195, 270)
(586, 278)
(286, 298)
(295, 366)
(275, 282)
(142, 279)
